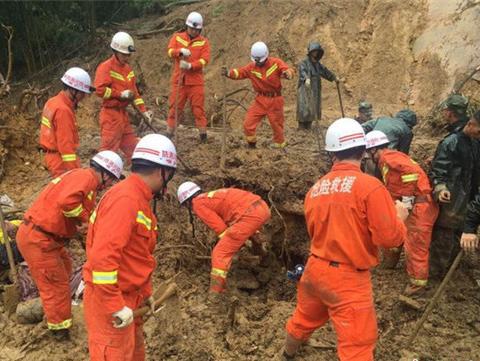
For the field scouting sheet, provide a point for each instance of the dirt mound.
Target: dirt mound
(369, 44)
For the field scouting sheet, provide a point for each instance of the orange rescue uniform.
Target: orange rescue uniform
(266, 81)
(111, 79)
(349, 214)
(234, 215)
(120, 244)
(59, 135)
(65, 203)
(405, 178)
(188, 83)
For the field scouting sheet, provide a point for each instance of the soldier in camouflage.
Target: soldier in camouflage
(365, 112)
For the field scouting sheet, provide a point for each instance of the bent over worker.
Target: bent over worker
(349, 215)
(115, 83)
(407, 182)
(191, 53)
(233, 214)
(58, 130)
(265, 73)
(60, 211)
(121, 239)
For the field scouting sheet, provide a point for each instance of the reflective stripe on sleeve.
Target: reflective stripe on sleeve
(75, 212)
(409, 177)
(93, 217)
(271, 70)
(211, 194)
(170, 52)
(202, 61)
(130, 75)
(384, 173)
(46, 122)
(69, 157)
(90, 195)
(104, 278)
(223, 233)
(56, 180)
(138, 101)
(235, 72)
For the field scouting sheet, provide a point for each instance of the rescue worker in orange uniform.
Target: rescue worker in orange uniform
(233, 214)
(349, 215)
(115, 83)
(190, 52)
(61, 210)
(407, 182)
(58, 130)
(121, 239)
(265, 73)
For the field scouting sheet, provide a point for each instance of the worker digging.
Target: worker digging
(371, 193)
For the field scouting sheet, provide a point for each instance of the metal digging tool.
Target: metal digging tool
(224, 125)
(435, 299)
(340, 98)
(175, 129)
(11, 296)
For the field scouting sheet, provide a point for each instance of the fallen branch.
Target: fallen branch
(285, 228)
(4, 87)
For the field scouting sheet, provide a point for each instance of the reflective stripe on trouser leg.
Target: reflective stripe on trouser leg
(218, 280)
(51, 272)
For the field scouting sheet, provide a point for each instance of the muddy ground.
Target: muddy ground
(354, 34)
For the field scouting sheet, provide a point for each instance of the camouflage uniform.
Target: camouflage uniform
(366, 109)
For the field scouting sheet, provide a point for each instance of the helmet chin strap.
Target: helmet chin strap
(159, 195)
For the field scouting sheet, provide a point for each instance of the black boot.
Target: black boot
(203, 138)
(61, 335)
(251, 145)
(305, 126)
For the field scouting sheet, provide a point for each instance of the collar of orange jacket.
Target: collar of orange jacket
(66, 99)
(116, 62)
(343, 165)
(138, 182)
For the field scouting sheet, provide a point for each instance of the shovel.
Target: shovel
(11, 296)
(340, 98)
(224, 125)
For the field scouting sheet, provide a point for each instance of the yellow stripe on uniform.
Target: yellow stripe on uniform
(181, 41)
(409, 177)
(138, 101)
(104, 278)
(130, 75)
(271, 70)
(223, 233)
(56, 180)
(108, 93)
(116, 75)
(384, 173)
(256, 73)
(416, 282)
(202, 61)
(75, 212)
(170, 51)
(198, 43)
(143, 219)
(210, 194)
(90, 195)
(69, 157)
(236, 74)
(46, 122)
(219, 272)
(61, 325)
(93, 217)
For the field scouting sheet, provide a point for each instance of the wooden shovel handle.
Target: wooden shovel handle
(169, 292)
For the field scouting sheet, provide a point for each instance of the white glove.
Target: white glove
(307, 82)
(126, 95)
(185, 65)
(185, 52)
(125, 315)
(148, 115)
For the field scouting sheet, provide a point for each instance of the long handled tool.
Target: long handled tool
(224, 125)
(340, 98)
(435, 298)
(177, 92)
(464, 81)
(11, 293)
(159, 300)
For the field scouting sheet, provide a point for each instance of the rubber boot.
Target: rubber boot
(203, 138)
(414, 290)
(391, 257)
(60, 335)
(305, 126)
(251, 145)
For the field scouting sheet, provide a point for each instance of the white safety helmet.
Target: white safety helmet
(77, 78)
(110, 161)
(344, 133)
(259, 52)
(156, 148)
(376, 138)
(186, 190)
(194, 20)
(123, 43)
